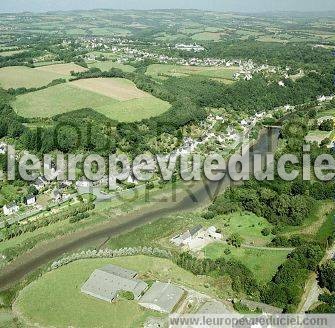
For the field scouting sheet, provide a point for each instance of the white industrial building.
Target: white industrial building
(162, 297)
(107, 282)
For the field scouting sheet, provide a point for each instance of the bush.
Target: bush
(209, 215)
(266, 231)
(235, 240)
(126, 295)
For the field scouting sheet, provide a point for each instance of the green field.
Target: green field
(207, 36)
(263, 263)
(64, 305)
(159, 70)
(249, 226)
(134, 109)
(21, 76)
(47, 103)
(107, 65)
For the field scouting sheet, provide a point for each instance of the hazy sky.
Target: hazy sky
(220, 5)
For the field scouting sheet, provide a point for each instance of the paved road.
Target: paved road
(312, 290)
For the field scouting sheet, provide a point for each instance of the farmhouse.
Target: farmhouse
(162, 297)
(107, 282)
(197, 237)
(187, 236)
(10, 209)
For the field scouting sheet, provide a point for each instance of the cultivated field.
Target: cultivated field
(161, 70)
(118, 99)
(119, 89)
(65, 306)
(61, 69)
(21, 76)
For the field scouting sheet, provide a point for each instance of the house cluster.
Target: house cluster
(224, 138)
(325, 98)
(189, 47)
(109, 282)
(127, 53)
(197, 237)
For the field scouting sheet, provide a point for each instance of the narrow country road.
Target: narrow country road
(312, 289)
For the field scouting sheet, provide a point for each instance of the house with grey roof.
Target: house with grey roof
(107, 282)
(57, 195)
(187, 236)
(162, 297)
(10, 209)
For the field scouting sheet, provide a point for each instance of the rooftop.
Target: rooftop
(162, 297)
(107, 282)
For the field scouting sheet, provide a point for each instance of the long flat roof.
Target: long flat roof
(106, 285)
(165, 296)
(118, 271)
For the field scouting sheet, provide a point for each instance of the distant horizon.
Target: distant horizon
(231, 6)
(172, 9)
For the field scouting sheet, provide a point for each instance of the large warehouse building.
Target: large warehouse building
(107, 282)
(162, 297)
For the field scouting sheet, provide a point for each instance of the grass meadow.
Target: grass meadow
(65, 306)
(117, 99)
(263, 263)
(22, 76)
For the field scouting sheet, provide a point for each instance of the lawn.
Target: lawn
(134, 109)
(249, 226)
(263, 263)
(21, 76)
(118, 99)
(108, 65)
(157, 70)
(64, 305)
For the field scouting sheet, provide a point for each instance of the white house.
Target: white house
(10, 209)
(188, 236)
(30, 200)
(3, 149)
